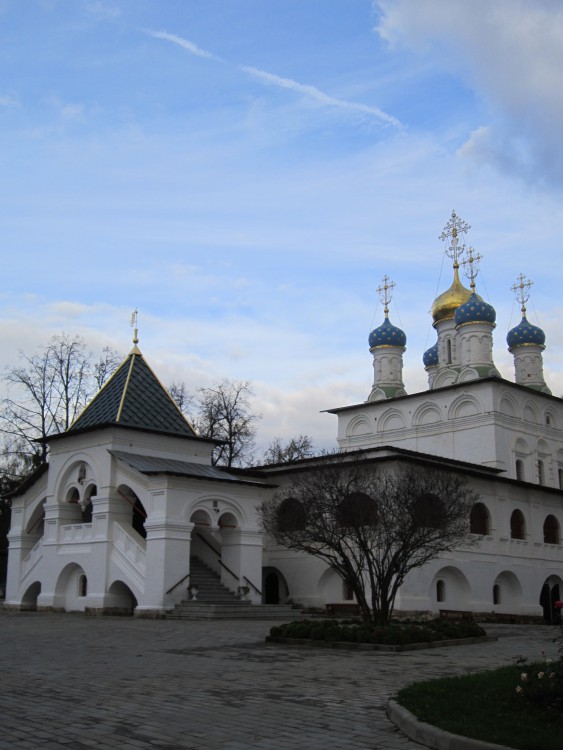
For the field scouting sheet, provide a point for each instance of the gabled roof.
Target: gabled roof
(150, 465)
(134, 397)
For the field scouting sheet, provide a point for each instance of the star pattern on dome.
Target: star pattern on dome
(430, 357)
(387, 335)
(475, 310)
(525, 334)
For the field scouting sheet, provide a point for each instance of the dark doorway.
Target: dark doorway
(549, 595)
(271, 589)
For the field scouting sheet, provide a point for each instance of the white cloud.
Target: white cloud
(511, 53)
(184, 43)
(9, 102)
(320, 97)
(103, 12)
(286, 83)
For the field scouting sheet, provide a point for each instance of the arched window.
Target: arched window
(356, 510)
(517, 525)
(496, 594)
(449, 351)
(520, 469)
(347, 592)
(479, 521)
(541, 472)
(440, 590)
(551, 530)
(428, 511)
(291, 515)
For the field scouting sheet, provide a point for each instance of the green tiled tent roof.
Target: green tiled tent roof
(135, 398)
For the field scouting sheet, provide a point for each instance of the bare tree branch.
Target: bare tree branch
(372, 526)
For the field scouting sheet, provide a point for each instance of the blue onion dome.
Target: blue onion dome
(430, 356)
(475, 310)
(524, 334)
(387, 335)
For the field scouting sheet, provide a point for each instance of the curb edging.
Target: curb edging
(431, 736)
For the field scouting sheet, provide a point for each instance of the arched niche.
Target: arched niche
(530, 413)
(464, 406)
(391, 419)
(426, 414)
(69, 589)
(455, 589)
(29, 599)
(359, 425)
(508, 406)
(509, 591)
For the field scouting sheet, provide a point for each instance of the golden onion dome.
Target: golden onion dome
(447, 303)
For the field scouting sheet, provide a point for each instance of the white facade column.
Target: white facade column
(241, 552)
(167, 563)
(528, 366)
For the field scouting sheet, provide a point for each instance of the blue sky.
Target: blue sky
(244, 172)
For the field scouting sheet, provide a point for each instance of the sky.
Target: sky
(245, 172)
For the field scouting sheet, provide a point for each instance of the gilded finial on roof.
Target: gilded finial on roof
(522, 291)
(453, 229)
(133, 324)
(384, 290)
(471, 266)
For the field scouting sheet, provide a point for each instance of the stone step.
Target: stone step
(195, 611)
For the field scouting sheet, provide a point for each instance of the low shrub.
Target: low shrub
(396, 633)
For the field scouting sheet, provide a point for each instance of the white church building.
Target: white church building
(129, 506)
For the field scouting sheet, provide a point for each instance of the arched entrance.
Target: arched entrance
(138, 512)
(274, 586)
(121, 600)
(29, 599)
(551, 593)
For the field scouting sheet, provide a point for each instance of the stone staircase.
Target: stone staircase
(216, 602)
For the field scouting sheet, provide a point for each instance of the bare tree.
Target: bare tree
(292, 450)
(47, 392)
(224, 413)
(106, 365)
(372, 526)
(183, 399)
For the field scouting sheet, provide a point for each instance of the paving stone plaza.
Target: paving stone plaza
(70, 681)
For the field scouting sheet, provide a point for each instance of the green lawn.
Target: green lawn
(485, 706)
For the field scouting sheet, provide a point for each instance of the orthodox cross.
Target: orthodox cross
(522, 291)
(384, 290)
(471, 266)
(453, 229)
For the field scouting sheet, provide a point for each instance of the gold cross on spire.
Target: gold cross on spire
(384, 290)
(453, 229)
(522, 291)
(471, 266)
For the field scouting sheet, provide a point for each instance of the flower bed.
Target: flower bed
(398, 633)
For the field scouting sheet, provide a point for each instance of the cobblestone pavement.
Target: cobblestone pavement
(69, 681)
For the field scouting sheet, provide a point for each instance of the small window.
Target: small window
(548, 419)
(517, 525)
(541, 472)
(520, 469)
(479, 520)
(551, 530)
(347, 592)
(496, 594)
(82, 586)
(449, 351)
(291, 515)
(440, 591)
